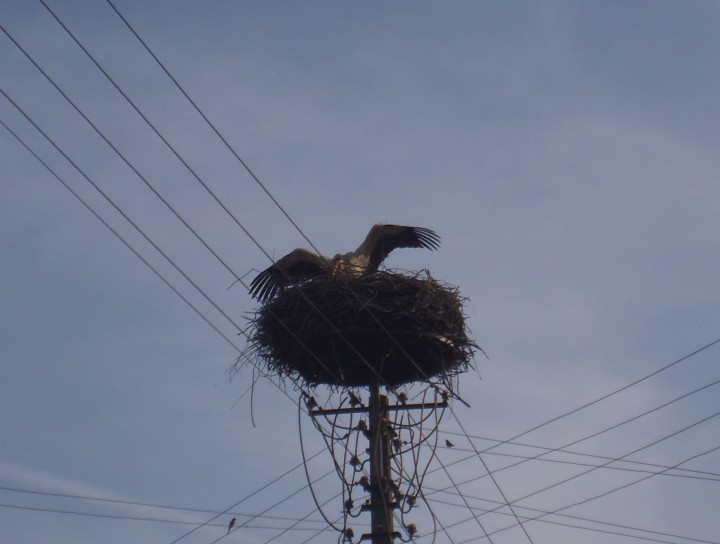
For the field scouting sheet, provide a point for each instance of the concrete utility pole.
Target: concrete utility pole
(382, 502)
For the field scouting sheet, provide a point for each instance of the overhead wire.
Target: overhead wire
(612, 460)
(204, 117)
(140, 176)
(573, 517)
(195, 175)
(473, 456)
(245, 523)
(285, 531)
(598, 433)
(555, 419)
(680, 472)
(96, 515)
(329, 322)
(608, 395)
(607, 531)
(613, 490)
(307, 475)
(113, 230)
(619, 458)
(512, 504)
(134, 170)
(106, 223)
(128, 517)
(144, 505)
(187, 166)
(212, 126)
(626, 485)
(95, 185)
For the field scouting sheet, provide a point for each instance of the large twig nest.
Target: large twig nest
(354, 330)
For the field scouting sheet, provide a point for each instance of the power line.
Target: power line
(299, 230)
(120, 237)
(624, 486)
(553, 420)
(187, 166)
(147, 183)
(608, 395)
(680, 472)
(117, 151)
(115, 232)
(124, 502)
(492, 477)
(154, 129)
(655, 442)
(248, 497)
(576, 463)
(527, 518)
(96, 515)
(510, 504)
(202, 183)
(197, 177)
(665, 470)
(593, 435)
(130, 165)
(540, 517)
(294, 526)
(143, 178)
(212, 126)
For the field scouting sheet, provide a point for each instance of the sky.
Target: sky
(566, 153)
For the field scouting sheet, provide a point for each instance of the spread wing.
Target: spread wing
(382, 239)
(295, 267)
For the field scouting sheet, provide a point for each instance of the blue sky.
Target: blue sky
(566, 152)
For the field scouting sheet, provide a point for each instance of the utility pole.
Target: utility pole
(381, 484)
(382, 501)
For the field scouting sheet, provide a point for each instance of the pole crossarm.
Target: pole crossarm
(376, 448)
(390, 408)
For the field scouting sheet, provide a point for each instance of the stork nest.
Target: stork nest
(349, 331)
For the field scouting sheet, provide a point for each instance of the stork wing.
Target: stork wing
(382, 239)
(296, 266)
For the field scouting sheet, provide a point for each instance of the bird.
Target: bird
(301, 264)
(232, 524)
(310, 401)
(449, 444)
(364, 482)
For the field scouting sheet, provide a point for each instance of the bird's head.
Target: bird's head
(337, 263)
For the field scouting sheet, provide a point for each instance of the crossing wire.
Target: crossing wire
(575, 517)
(147, 183)
(598, 433)
(187, 166)
(655, 442)
(114, 231)
(613, 490)
(212, 126)
(134, 170)
(587, 405)
(679, 472)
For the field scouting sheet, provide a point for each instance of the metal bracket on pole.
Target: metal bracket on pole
(390, 408)
(380, 485)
